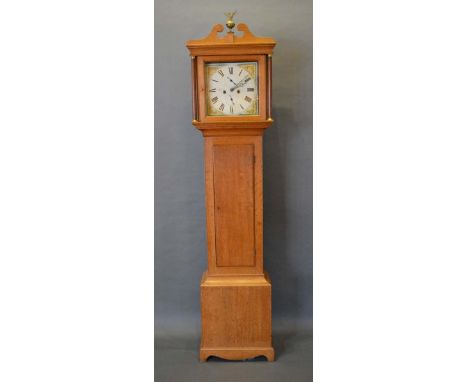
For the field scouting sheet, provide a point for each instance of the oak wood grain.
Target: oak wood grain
(232, 197)
(233, 169)
(236, 315)
(231, 43)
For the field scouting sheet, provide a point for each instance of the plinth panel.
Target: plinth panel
(236, 317)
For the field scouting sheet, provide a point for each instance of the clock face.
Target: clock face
(231, 88)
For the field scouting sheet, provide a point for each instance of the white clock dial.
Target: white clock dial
(231, 88)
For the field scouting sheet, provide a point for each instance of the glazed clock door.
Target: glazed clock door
(232, 88)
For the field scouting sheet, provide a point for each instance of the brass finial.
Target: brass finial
(230, 22)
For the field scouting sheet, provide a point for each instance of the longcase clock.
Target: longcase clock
(231, 89)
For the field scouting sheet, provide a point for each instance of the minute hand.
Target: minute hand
(241, 83)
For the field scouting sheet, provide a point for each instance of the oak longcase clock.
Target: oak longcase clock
(231, 91)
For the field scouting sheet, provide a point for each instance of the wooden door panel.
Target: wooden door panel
(233, 186)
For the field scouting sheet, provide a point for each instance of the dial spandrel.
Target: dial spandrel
(232, 88)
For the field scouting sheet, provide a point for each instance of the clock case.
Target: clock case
(235, 295)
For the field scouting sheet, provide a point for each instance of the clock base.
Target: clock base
(236, 317)
(237, 354)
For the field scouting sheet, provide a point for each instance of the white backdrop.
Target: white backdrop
(390, 191)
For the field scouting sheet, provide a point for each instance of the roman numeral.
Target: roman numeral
(231, 70)
(221, 107)
(250, 89)
(213, 90)
(215, 80)
(248, 99)
(221, 73)
(231, 109)
(214, 99)
(242, 107)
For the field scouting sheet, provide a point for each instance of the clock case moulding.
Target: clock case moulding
(235, 294)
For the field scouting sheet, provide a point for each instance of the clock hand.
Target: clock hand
(232, 81)
(237, 86)
(231, 99)
(244, 81)
(240, 83)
